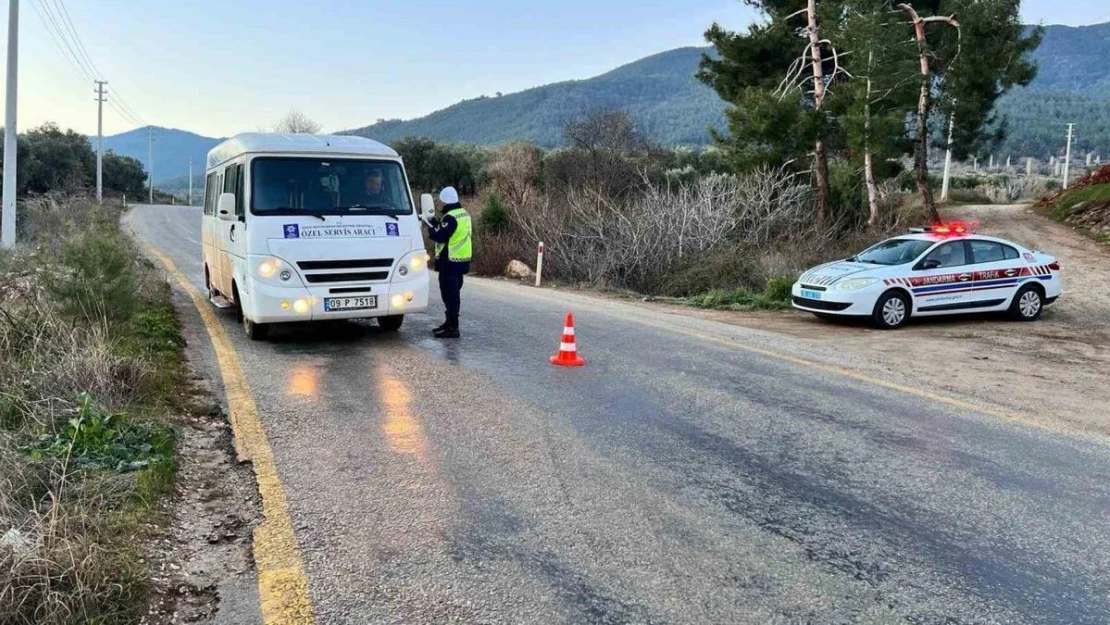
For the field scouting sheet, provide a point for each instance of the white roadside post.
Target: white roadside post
(11, 131)
(539, 264)
(1067, 157)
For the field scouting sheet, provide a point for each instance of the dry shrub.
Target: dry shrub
(641, 242)
(65, 561)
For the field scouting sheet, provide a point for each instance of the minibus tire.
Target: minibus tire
(255, 331)
(391, 323)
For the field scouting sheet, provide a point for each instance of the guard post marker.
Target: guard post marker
(539, 263)
(568, 349)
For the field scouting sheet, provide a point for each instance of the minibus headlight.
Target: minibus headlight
(412, 263)
(268, 267)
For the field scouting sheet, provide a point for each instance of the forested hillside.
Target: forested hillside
(660, 92)
(673, 108)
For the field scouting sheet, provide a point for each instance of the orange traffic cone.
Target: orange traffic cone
(568, 352)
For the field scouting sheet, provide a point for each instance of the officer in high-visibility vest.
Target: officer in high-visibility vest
(453, 238)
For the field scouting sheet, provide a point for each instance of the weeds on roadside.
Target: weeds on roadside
(89, 356)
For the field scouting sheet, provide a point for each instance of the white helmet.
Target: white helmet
(449, 195)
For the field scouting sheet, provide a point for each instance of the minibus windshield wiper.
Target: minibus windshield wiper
(296, 211)
(372, 207)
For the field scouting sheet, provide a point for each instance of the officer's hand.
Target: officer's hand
(434, 222)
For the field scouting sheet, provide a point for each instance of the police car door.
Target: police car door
(997, 267)
(942, 280)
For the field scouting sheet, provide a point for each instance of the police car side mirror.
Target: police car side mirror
(929, 263)
(225, 207)
(427, 206)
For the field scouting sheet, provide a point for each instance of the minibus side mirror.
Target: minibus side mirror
(225, 207)
(427, 206)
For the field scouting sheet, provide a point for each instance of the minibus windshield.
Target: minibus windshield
(328, 186)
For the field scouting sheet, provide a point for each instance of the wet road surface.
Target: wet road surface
(675, 479)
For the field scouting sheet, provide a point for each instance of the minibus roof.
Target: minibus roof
(266, 142)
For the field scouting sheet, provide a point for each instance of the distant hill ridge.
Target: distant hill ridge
(673, 108)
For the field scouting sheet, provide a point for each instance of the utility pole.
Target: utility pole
(1067, 157)
(11, 131)
(948, 157)
(100, 98)
(190, 202)
(150, 159)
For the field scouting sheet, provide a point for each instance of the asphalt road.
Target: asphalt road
(681, 477)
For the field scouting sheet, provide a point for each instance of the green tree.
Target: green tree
(776, 76)
(871, 107)
(124, 174)
(52, 160)
(981, 52)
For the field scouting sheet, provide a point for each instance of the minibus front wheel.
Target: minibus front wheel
(391, 323)
(254, 331)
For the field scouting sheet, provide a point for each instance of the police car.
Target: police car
(938, 270)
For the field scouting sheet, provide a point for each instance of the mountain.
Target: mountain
(673, 108)
(659, 91)
(1072, 59)
(172, 150)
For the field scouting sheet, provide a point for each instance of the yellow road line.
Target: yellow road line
(282, 585)
(832, 369)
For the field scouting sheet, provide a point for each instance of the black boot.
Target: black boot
(449, 330)
(441, 327)
(447, 333)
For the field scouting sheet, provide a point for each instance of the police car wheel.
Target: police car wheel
(891, 311)
(1028, 304)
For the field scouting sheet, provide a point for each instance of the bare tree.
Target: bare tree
(921, 141)
(297, 122)
(607, 138)
(515, 171)
(814, 56)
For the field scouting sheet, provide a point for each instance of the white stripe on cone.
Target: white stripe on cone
(567, 347)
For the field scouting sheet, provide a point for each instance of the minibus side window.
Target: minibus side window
(234, 186)
(210, 195)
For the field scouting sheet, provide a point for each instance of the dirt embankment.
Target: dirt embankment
(1054, 371)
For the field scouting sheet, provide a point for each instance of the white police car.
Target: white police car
(939, 270)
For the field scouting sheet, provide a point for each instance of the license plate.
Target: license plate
(335, 304)
(806, 293)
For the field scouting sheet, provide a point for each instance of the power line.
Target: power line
(61, 29)
(64, 47)
(63, 12)
(123, 108)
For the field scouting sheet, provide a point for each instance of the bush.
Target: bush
(729, 268)
(97, 277)
(494, 218)
(779, 289)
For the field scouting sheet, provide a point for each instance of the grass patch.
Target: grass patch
(90, 356)
(776, 296)
(1075, 200)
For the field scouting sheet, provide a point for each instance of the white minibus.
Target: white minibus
(303, 227)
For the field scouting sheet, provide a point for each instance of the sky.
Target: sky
(218, 68)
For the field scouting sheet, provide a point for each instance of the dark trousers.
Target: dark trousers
(450, 289)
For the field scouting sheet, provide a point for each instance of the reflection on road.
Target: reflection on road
(303, 381)
(399, 425)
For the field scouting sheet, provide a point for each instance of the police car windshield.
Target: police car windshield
(324, 186)
(894, 252)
